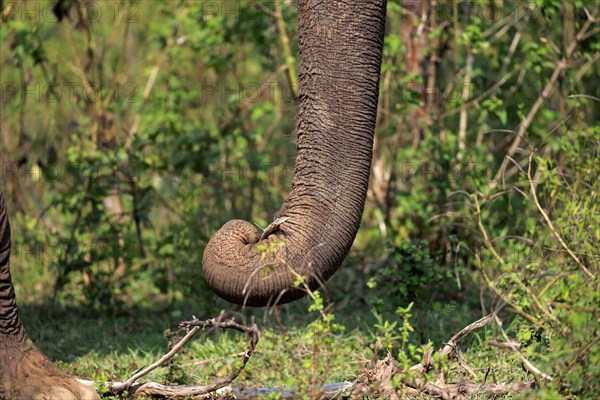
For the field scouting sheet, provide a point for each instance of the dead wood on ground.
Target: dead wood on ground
(386, 380)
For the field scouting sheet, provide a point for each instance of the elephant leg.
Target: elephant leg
(25, 373)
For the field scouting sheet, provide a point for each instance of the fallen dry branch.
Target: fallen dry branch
(122, 386)
(458, 390)
(449, 348)
(535, 371)
(378, 381)
(329, 391)
(175, 391)
(504, 345)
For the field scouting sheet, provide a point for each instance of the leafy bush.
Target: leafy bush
(410, 272)
(114, 193)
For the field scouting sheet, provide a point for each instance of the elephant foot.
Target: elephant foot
(25, 373)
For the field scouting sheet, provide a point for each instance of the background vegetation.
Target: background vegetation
(131, 130)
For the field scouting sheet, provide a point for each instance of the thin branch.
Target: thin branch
(196, 325)
(584, 69)
(147, 90)
(287, 52)
(377, 382)
(528, 364)
(122, 386)
(504, 345)
(584, 96)
(453, 342)
(486, 238)
(267, 84)
(488, 93)
(490, 389)
(554, 231)
(505, 298)
(516, 39)
(162, 59)
(462, 125)
(562, 64)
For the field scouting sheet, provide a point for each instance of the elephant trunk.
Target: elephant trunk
(10, 322)
(340, 46)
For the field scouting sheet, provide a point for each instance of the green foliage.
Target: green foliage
(555, 298)
(270, 248)
(101, 379)
(130, 137)
(136, 183)
(421, 273)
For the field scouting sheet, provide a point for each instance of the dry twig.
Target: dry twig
(587, 273)
(378, 381)
(548, 89)
(196, 325)
(526, 363)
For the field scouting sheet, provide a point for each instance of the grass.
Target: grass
(302, 344)
(306, 348)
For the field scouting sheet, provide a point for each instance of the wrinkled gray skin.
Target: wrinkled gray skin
(25, 373)
(339, 60)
